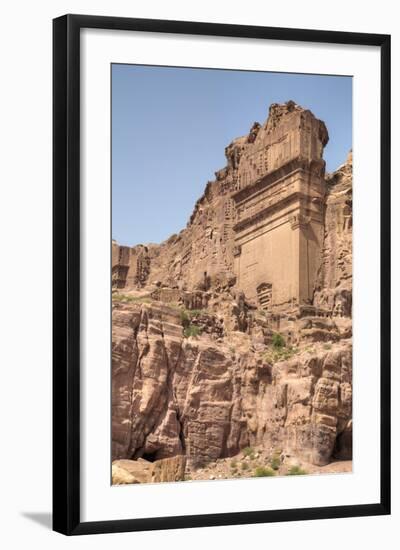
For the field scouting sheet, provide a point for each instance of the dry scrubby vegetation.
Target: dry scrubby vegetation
(263, 471)
(251, 464)
(275, 462)
(278, 350)
(296, 471)
(190, 329)
(248, 451)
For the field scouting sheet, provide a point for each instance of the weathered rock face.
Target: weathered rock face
(268, 197)
(197, 371)
(173, 395)
(126, 472)
(334, 282)
(169, 469)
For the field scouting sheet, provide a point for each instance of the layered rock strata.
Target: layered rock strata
(174, 395)
(237, 331)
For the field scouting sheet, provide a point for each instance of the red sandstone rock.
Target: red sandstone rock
(268, 249)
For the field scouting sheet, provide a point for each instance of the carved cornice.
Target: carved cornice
(315, 167)
(266, 212)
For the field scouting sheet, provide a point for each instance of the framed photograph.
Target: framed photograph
(221, 274)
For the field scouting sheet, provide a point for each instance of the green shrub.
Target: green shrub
(192, 330)
(275, 462)
(248, 451)
(278, 340)
(245, 466)
(296, 471)
(194, 312)
(188, 314)
(261, 471)
(185, 319)
(234, 464)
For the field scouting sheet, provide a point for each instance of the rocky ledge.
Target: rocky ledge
(235, 336)
(208, 399)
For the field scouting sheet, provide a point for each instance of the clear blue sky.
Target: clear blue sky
(170, 127)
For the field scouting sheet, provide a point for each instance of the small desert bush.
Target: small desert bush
(278, 340)
(195, 312)
(244, 466)
(279, 350)
(192, 330)
(233, 463)
(279, 354)
(275, 462)
(188, 314)
(185, 319)
(248, 451)
(296, 471)
(262, 471)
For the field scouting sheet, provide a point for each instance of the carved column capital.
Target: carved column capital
(237, 250)
(299, 221)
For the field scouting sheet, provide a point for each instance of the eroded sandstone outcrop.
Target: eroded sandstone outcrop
(237, 331)
(207, 399)
(334, 281)
(126, 472)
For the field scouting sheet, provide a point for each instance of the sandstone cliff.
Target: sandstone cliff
(204, 367)
(334, 282)
(174, 395)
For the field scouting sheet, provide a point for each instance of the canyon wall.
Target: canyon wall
(205, 399)
(197, 369)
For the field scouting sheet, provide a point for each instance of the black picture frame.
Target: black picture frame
(66, 273)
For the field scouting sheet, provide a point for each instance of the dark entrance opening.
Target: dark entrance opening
(343, 449)
(150, 457)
